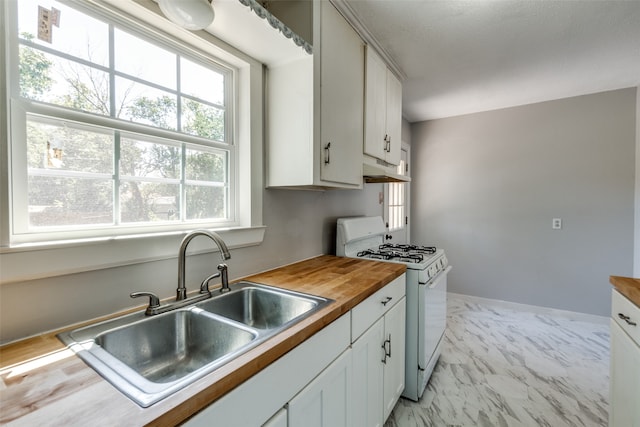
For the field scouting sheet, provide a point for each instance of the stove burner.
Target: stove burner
(365, 253)
(409, 248)
(391, 255)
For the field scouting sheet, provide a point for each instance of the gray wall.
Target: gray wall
(300, 224)
(486, 187)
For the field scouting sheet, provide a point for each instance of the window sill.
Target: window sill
(38, 261)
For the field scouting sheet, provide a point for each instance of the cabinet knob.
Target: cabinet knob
(386, 301)
(327, 153)
(626, 319)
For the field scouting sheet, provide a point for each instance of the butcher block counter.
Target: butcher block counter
(628, 287)
(44, 383)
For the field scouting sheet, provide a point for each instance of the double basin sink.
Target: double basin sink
(150, 357)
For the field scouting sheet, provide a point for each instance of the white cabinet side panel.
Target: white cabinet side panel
(290, 123)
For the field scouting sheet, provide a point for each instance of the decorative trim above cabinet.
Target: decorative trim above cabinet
(277, 24)
(253, 30)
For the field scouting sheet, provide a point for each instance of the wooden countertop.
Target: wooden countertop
(44, 383)
(628, 287)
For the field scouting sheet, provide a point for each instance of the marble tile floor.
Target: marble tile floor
(502, 366)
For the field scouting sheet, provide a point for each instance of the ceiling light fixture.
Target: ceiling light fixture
(190, 14)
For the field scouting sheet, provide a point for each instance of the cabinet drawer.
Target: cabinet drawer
(368, 311)
(621, 309)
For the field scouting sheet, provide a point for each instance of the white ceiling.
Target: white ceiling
(461, 57)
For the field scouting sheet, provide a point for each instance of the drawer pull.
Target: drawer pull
(386, 301)
(626, 319)
(387, 351)
(327, 154)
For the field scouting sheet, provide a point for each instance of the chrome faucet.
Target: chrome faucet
(181, 298)
(182, 255)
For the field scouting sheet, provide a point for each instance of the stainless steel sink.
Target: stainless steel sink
(261, 307)
(167, 348)
(151, 357)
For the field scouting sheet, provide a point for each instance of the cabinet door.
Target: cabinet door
(394, 322)
(625, 380)
(394, 118)
(326, 401)
(278, 420)
(367, 377)
(375, 106)
(341, 98)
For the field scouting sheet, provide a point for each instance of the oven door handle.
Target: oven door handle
(432, 283)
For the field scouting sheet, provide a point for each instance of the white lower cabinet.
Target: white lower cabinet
(368, 377)
(624, 408)
(326, 401)
(351, 373)
(378, 355)
(394, 322)
(255, 401)
(278, 420)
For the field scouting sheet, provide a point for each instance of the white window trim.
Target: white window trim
(404, 230)
(29, 261)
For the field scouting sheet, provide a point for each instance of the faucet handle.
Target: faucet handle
(204, 287)
(224, 279)
(154, 301)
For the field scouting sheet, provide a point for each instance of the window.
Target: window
(396, 198)
(115, 131)
(108, 156)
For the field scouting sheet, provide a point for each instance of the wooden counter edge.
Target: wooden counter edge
(627, 286)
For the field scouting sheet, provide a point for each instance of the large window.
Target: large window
(115, 130)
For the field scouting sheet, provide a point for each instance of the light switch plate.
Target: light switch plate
(556, 223)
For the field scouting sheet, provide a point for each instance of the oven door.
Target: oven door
(432, 321)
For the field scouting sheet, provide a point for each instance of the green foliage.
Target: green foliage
(34, 70)
(160, 112)
(71, 201)
(202, 120)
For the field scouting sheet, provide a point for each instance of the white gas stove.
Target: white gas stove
(426, 291)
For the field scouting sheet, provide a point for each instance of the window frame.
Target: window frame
(403, 169)
(66, 255)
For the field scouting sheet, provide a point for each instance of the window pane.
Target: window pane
(202, 120)
(143, 104)
(206, 166)
(65, 147)
(62, 201)
(148, 159)
(396, 205)
(76, 34)
(201, 82)
(149, 202)
(205, 202)
(55, 80)
(156, 65)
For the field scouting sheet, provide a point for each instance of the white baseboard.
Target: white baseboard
(571, 315)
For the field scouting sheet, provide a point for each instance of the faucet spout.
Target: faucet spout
(182, 255)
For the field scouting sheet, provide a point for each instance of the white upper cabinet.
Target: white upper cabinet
(383, 110)
(315, 115)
